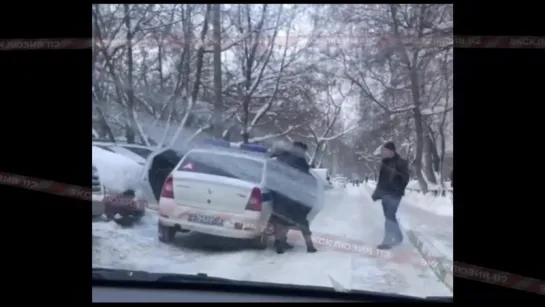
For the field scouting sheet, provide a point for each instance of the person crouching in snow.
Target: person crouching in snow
(392, 180)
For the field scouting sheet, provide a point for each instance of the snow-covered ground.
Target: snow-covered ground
(430, 219)
(349, 214)
(438, 205)
(414, 185)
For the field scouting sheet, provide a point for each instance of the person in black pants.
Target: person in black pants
(392, 181)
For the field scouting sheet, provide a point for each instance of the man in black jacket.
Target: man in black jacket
(392, 181)
(287, 212)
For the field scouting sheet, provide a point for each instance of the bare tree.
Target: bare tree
(260, 70)
(327, 127)
(193, 95)
(393, 73)
(218, 87)
(169, 74)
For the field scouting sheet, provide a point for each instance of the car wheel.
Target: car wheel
(137, 216)
(125, 221)
(260, 242)
(166, 234)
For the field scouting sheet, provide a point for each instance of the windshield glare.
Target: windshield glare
(329, 194)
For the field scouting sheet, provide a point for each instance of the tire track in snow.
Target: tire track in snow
(137, 248)
(345, 215)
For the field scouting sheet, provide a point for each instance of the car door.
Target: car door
(145, 186)
(158, 166)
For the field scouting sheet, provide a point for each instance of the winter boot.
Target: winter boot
(398, 239)
(384, 246)
(286, 245)
(279, 246)
(387, 242)
(310, 245)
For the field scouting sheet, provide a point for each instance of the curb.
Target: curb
(441, 268)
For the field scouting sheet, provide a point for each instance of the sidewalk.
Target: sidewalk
(437, 229)
(432, 235)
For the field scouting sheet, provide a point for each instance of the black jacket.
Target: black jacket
(393, 177)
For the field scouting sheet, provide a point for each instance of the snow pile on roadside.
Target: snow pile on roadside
(117, 173)
(434, 204)
(414, 185)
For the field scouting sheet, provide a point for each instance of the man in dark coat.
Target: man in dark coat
(392, 181)
(287, 212)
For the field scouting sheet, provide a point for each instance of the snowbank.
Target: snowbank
(434, 204)
(117, 173)
(414, 185)
(439, 205)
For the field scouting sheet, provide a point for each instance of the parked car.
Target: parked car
(224, 192)
(98, 206)
(138, 153)
(133, 183)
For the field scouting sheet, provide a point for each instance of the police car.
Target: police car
(220, 189)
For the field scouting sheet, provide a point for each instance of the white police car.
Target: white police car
(220, 189)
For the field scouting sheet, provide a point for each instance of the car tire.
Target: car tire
(166, 234)
(125, 221)
(260, 242)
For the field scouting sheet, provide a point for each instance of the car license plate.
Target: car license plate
(205, 219)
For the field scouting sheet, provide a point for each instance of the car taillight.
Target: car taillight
(168, 188)
(256, 201)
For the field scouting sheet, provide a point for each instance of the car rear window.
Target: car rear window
(105, 148)
(142, 152)
(223, 165)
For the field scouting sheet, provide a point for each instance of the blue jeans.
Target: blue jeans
(392, 231)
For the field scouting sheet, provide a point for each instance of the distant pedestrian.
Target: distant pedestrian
(392, 181)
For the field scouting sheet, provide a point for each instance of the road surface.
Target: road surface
(349, 215)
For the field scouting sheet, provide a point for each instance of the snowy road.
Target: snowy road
(348, 214)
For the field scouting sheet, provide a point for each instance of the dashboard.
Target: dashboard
(195, 289)
(131, 295)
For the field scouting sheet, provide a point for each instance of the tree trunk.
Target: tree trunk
(418, 122)
(130, 90)
(217, 122)
(105, 131)
(428, 159)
